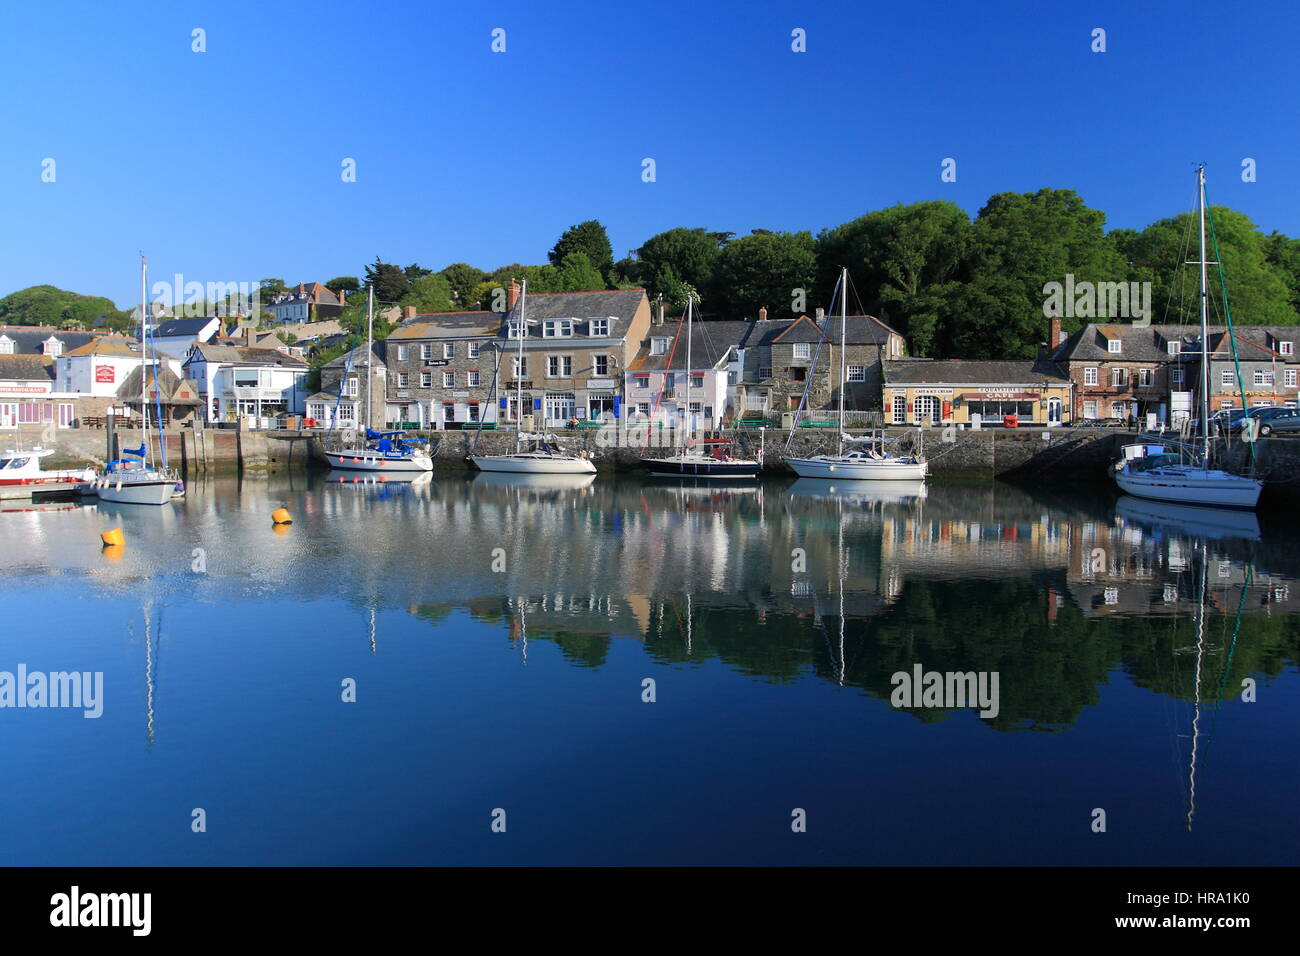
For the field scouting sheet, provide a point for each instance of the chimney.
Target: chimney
(343, 296)
(821, 316)
(250, 335)
(512, 294)
(408, 312)
(762, 314)
(659, 311)
(1053, 333)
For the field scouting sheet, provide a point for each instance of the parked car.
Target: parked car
(1274, 419)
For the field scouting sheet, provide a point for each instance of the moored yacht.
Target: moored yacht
(541, 455)
(24, 468)
(385, 453)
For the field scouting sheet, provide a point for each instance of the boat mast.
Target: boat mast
(144, 355)
(519, 372)
(844, 322)
(370, 352)
(686, 419)
(1205, 334)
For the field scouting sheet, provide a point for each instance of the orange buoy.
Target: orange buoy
(280, 529)
(281, 516)
(113, 538)
(113, 552)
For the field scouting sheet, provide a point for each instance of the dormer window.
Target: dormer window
(600, 327)
(557, 329)
(1286, 348)
(6, 345)
(517, 329)
(53, 346)
(658, 346)
(1174, 346)
(1114, 346)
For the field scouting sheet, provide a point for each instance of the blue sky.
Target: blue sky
(225, 165)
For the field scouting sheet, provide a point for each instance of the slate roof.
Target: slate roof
(243, 355)
(108, 345)
(1151, 343)
(710, 343)
(617, 305)
(26, 368)
(29, 339)
(971, 372)
(862, 330)
(177, 327)
(358, 356)
(448, 325)
(170, 384)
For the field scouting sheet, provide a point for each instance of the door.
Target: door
(926, 409)
(1053, 411)
(8, 414)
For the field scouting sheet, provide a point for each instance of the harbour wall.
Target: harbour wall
(1062, 455)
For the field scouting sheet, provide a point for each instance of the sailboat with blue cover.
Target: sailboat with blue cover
(389, 453)
(133, 479)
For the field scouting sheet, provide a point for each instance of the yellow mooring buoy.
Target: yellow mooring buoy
(282, 516)
(113, 538)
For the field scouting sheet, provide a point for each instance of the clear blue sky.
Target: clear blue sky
(225, 165)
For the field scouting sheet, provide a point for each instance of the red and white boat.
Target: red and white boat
(24, 468)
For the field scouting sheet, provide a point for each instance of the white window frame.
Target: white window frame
(403, 379)
(1289, 377)
(426, 380)
(1285, 348)
(448, 379)
(519, 365)
(449, 350)
(600, 327)
(1119, 378)
(1090, 375)
(1226, 378)
(1145, 377)
(855, 373)
(426, 352)
(803, 350)
(600, 365)
(1174, 346)
(472, 349)
(1115, 346)
(1175, 376)
(641, 381)
(557, 329)
(472, 379)
(403, 353)
(659, 346)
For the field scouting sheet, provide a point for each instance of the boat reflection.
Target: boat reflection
(1194, 520)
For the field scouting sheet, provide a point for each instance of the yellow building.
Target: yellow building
(920, 391)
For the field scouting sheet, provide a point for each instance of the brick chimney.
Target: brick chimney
(250, 336)
(762, 314)
(512, 294)
(343, 296)
(1053, 333)
(659, 311)
(821, 316)
(408, 312)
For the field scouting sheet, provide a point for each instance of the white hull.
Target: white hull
(858, 469)
(1192, 486)
(364, 459)
(150, 491)
(528, 464)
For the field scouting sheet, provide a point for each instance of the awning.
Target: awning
(1003, 397)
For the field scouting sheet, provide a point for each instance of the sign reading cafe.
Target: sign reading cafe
(104, 373)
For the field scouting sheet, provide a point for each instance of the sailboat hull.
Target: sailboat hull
(1192, 486)
(364, 459)
(535, 464)
(151, 491)
(882, 469)
(700, 466)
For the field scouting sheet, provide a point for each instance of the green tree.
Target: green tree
(680, 255)
(464, 278)
(588, 238)
(575, 273)
(390, 282)
(1019, 242)
(763, 270)
(1283, 253)
(430, 293)
(348, 284)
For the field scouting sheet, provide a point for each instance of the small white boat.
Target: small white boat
(385, 453)
(24, 468)
(1153, 471)
(861, 466)
(1156, 472)
(865, 464)
(129, 481)
(543, 457)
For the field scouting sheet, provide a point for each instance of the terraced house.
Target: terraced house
(576, 347)
(1121, 371)
(779, 357)
(441, 369)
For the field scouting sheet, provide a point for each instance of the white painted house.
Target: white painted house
(237, 381)
(700, 396)
(175, 338)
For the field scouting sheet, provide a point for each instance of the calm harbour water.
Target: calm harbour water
(770, 618)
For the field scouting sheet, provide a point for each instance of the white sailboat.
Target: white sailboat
(702, 458)
(869, 463)
(133, 480)
(1156, 471)
(538, 453)
(388, 453)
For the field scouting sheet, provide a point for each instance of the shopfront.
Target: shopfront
(919, 392)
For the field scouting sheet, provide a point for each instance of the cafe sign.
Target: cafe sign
(104, 373)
